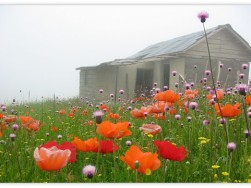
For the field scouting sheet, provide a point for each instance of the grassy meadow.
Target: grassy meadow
(205, 155)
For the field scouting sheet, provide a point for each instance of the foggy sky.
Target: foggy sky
(42, 45)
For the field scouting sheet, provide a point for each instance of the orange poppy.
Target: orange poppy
(228, 111)
(150, 129)
(104, 107)
(84, 113)
(1, 116)
(85, 146)
(29, 123)
(74, 110)
(190, 94)
(248, 100)
(71, 115)
(110, 130)
(158, 107)
(62, 112)
(3, 126)
(220, 95)
(168, 96)
(114, 116)
(10, 118)
(88, 122)
(172, 111)
(141, 114)
(159, 116)
(51, 159)
(147, 161)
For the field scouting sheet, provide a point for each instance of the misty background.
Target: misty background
(42, 45)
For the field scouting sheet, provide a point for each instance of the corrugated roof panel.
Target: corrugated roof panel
(171, 46)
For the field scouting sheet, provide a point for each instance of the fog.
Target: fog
(42, 45)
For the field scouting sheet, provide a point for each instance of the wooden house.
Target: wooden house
(138, 73)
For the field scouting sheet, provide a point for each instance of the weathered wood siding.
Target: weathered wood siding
(222, 45)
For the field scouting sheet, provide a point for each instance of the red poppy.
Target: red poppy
(228, 111)
(110, 130)
(150, 129)
(169, 151)
(64, 146)
(87, 145)
(54, 129)
(168, 96)
(10, 118)
(147, 161)
(106, 146)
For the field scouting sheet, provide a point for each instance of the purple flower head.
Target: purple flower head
(229, 69)
(157, 90)
(189, 118)
(205, 80)
(207, 72)
(247, 133)
(12, 137)
(177, 116)
(165, 88)
(192, 84)
(89, 171)
(249, 114)
(174, 73)
(206, 122)
(193, 105)
(203, 15)
(121, 91)
(166, 108)
(98, 115)
(222, 120)
(195, 66)
(15, 127)
(155, 84)
(101, 90)
(111, 95)
(176, 84)
(242, 89)
(249, 109)
(231, 146)
(188, 86)
(244, 66)
(3, 107)
(129, 108)
(128, 143)
(241, 75)
(221, 65)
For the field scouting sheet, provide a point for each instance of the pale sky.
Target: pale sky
(42, 45)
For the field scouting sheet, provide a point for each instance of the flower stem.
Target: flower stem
(211, 69)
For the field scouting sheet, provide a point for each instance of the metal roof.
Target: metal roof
(175, 45)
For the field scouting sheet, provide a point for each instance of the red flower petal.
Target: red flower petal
(106, 146)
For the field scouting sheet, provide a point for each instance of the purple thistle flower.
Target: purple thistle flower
(121, 91)
(98, 115)
(176, 84)
(203, 16)
(89, 171)
(157, 90)
(242, 88)
(244, 66)
(207, 72)
(15, 127)
(249, 114)
(231, 146)
(165, 88)
(247, 133)
(128, 143)
(60, 136)
(221, 65)
(195, 66)
(229, 69)
(111, 95)
(193, 105)
(206, 122)
(241, 76)
(12, 137)
(187, 86)
(222, 120)
(155, 84)
(174, 73)
(177, 116)
(101, 90)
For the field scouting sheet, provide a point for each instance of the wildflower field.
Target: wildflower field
(194, 133)
(167, 138)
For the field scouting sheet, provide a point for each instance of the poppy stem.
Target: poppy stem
(211, 69)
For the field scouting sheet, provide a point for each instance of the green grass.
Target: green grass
(17, 163)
